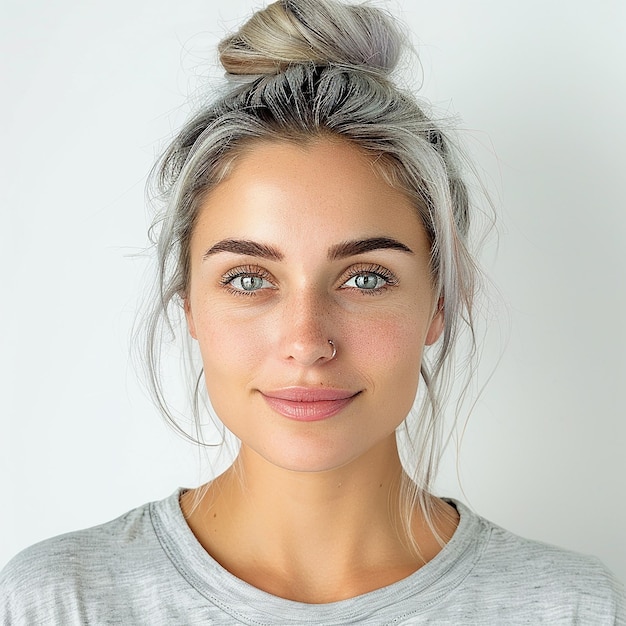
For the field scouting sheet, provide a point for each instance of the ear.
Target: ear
(191, 325)
(436, 325)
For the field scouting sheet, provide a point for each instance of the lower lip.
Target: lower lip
(308, 411)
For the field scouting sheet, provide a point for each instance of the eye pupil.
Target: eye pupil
(250, 283)
(366, 281)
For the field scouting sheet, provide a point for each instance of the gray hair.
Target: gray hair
(299, 70)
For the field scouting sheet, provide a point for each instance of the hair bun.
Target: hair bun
(321, 32)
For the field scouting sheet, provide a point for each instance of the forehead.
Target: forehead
(322, 189)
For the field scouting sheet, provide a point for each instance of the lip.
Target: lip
(307, 404)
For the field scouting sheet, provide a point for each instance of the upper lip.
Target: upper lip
(309, 394)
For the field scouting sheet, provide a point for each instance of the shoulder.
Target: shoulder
(51, 579)
(544, 579)
(81, 550)
(509, 552)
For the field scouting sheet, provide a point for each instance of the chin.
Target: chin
(311, 454)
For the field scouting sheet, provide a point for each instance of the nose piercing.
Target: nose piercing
(332, 345)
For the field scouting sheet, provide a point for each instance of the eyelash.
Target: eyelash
(356, 270)
(378, 270)
(240, 272)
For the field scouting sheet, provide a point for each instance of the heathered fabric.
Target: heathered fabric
(146, 567)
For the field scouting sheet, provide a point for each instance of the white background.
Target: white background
(90, 91)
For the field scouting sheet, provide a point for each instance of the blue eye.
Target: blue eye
(366, 281)
(247, 282)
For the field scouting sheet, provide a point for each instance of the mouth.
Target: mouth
(306, 404)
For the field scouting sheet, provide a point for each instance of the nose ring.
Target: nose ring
(334, 354)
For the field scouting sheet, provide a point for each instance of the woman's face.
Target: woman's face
(299, 245)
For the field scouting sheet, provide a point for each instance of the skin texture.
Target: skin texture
(304, 512)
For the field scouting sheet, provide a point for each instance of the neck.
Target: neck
(311, 536)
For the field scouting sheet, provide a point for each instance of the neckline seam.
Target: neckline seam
(361, 606)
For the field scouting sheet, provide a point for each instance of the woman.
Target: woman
(315, 237)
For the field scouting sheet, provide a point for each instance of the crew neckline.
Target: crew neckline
(250, 605)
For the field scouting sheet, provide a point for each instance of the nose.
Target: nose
(305, 329)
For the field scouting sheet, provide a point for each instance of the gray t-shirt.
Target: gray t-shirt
(147, 567)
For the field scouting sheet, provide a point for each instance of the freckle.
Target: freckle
(215, 514)
(380, 485)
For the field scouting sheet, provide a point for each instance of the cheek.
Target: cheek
(232, 351)
(389, 351)
(228, 348)
(228, 358)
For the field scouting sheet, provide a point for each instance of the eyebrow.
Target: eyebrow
(360, 246)
(339, 251)
(246, 247)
